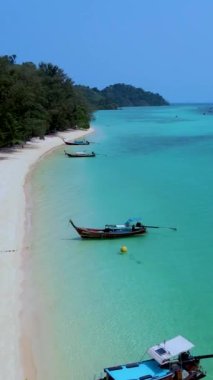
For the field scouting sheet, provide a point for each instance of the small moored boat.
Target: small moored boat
(76, 142)
(80, 154)
(170, 360)
(132, 227)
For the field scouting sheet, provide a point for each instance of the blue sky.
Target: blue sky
(164, 46)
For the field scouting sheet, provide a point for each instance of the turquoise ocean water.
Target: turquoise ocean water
(93, 307)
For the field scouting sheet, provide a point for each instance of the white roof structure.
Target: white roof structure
(165, 351)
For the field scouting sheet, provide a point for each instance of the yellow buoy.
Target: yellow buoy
(123, 249)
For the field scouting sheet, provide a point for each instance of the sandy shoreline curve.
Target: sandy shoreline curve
(15, 165)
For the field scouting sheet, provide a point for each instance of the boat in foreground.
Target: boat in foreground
(132, 227)
(80, 154)
(76, 142)
(171, 360)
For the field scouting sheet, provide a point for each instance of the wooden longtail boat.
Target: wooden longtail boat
(171, 360)
(80, 154)
(76, 142)
(111, 231)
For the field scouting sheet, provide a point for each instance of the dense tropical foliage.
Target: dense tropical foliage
(35, 101)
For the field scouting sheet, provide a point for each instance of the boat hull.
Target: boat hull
(79, 155)
(171, 360)
(92, 233)
(149, 369)
(85, 234)
(76, 143)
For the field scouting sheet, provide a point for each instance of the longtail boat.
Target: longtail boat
(131, 228)
(170, 360)
(80, 154)
(76, 142)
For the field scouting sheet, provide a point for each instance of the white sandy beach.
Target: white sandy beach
(15, 164)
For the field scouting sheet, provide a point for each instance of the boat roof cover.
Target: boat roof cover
(165, 351)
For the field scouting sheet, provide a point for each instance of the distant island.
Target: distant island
(36, 101)
(120, 95)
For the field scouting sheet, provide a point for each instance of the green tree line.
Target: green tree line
(35, 101)
(39, 100)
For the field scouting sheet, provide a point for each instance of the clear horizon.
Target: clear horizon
(163, 47)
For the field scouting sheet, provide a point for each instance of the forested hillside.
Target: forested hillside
(120, 95)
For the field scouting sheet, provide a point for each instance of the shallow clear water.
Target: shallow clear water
(97, 307)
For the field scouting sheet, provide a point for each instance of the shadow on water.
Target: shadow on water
(148, 144)
(130, 257)
(72, 239)
(205, 109)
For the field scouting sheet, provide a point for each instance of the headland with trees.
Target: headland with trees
(40, 100)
